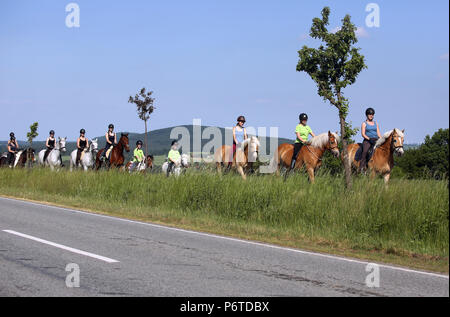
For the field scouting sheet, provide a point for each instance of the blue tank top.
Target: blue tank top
(239, 135)
(371, 130)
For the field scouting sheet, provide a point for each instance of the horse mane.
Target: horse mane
(321, 140)
(246, 142)
(385, 136)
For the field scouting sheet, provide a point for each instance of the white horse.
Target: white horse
(181, 164)
(53, 158)
(88, 158)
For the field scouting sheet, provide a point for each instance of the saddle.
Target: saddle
(358, 155)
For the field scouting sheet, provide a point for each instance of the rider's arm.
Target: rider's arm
(378, 131)
(78, 143)
(17, 145)
(363, 131)
(87, 142)
(115, 138)
(312, 133)
(9, 147)
(299, 137)
(245, 134)
(234, 135)
(107, 138)
(46, 142)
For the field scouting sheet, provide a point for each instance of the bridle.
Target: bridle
(393, 141)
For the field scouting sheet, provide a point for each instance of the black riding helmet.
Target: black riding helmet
(303, 116)
(370, 111)
(82, 131)
(51, 132)
(174, 142)
(241, 118)
(12, 135)
(111, 126)
(139, 142)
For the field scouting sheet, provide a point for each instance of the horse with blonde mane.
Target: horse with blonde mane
(309, 156)
(244, 157)
(382, 160)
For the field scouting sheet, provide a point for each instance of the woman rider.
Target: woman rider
(111, 140)
(50, 144)
(302, 131)
(82, 144)
(173, 157)
(370, 131)
(13, 147)
(239, 136)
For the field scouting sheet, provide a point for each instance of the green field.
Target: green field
(405, 224)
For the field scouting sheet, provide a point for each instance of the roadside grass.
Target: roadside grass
(404, 224)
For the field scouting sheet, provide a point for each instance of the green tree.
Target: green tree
(144, 104)
(334, 66)
(31, 136)
(428, 160)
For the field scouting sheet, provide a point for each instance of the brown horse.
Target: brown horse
(148, 164)
(243, 158)
(116, 157)
(310, 154)
(382, 161)
(20, 158)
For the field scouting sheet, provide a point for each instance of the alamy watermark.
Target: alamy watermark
(73, 278)
(73, 16)
(373, 18)
(373, 278)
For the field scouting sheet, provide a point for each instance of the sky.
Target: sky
(214, 60)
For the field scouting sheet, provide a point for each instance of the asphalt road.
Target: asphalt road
(118, 257)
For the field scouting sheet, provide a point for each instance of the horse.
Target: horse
(21, 158)
(54, 157)
(116, 157)
(244, 157)
(180, 165)
(87, 158)
(382, 160)
(310, 154)
(140, 167)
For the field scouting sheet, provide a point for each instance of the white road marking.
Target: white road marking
(339, 258)
(60, 246)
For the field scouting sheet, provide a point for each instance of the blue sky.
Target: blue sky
(214, 60)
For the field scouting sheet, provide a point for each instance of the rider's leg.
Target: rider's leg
(363, 163)
(47, 152)
(77, 162)
(297, 148)
(169, 168)
(10, 159)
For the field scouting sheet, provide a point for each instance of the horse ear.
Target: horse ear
(403, 131)
(329, 133)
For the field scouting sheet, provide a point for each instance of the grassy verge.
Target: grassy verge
(404, 224)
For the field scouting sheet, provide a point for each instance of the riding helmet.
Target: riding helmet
(11, 135)
(174, 142)
(241, 118)
(111, 126)
(52, 132)
(82, 131)
(370, 111)
(303, 116)
(139, 142)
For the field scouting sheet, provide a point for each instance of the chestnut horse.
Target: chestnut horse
(310, 154)
(243, 158)
(116, 158)
(382, 161)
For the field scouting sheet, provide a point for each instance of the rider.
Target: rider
(302, 131)
(111, 140)
(239, 136)
(82, 145)
(13, 147)
(138, 155)
(173, 157)
(50, 144)
(370, 131)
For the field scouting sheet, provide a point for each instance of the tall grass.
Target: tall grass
(408, 216)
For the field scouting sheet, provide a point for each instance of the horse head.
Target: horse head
(125, 142)
(94, 145)
(149, 161)
(253, 149)
(62, 144)
(397, 139)
(332, 145)
(184, 159)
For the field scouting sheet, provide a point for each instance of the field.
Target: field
(405, 224)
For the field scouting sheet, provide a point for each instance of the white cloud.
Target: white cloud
(444, 57)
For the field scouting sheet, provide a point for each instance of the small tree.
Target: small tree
(333, 67)
(144, 104)
(31, 135)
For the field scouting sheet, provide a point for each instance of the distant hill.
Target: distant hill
(159, 140)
